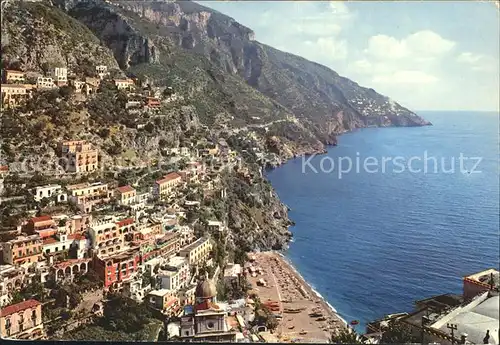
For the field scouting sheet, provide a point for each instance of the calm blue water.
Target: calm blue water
(373, 243)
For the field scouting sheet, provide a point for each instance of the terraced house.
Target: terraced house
(166, 185)
(22, 320)
(87, 195)
(126, 195)
(13, 76)
(198, 251)
(13, 95)
(79, 156)
(24, 250)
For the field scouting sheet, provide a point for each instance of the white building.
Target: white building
(45, 83)
(101, 71)
(474, 319)
(215, 226)
(48, 191)
(56, 245)
(136, 290)
(60, 75)
(175, 274)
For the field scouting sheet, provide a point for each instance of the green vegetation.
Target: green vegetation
(124, 314)
(99, 333)
(346, 336)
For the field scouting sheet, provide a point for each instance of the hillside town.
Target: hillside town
(136, 256)
(86, 243)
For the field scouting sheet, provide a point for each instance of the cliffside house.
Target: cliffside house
(23, 250)
(22, 320)
(79, 156)
(124, 84)
(13, 76)
(60, 75)
(126, 195)
(167, 184)
(198, 251)
(45, 83)
(101, 71)
(13, 95)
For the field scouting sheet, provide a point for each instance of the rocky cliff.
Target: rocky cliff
(36, 37)
(311, 91)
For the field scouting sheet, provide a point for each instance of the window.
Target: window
(210, 325)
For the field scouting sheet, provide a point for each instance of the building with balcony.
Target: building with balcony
(79, 156)
(56, 245)
(24, 250)
(175, 274)
(22, 320)
(13, 95)
(68, 269)
(13, 76)
(115, 269)
(11, 279)
(106, 236)
(101, 71)
(136, 289)
(148, 229)
(43, 226)
(198, 251)
(88, 195)
(124, 84)
(164, 247)
(126, 195)
(60, 75)
(48, 191)
(166, 185)
(163, 300)
(45, 83)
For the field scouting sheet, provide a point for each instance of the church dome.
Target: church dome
(206, 289)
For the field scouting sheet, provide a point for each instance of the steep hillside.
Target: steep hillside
(37, 36)
(310, 91)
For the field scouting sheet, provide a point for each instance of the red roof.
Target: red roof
(125, 189)
(170, 302)
(124, 222)
(49, 240)
(15, 308)
(77, 237)
(169, 177)
(41, 219)
(4, 168)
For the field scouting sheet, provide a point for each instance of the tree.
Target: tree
(345, 336)
(398, 333)
(66, 92)
(125, 314)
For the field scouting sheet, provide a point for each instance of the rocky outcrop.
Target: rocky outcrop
(36, 37)
(129, 45)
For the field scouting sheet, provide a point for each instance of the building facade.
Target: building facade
(24, 250)
(198, 251)
(79, 156)
(126, 195)
(22, 320)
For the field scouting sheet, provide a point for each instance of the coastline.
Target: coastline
(305, 316)
(309, 286)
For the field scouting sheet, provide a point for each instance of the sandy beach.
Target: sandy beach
(305, 316)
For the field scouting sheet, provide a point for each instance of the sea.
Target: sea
(374, 237)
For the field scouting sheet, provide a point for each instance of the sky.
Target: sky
(426, 55)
